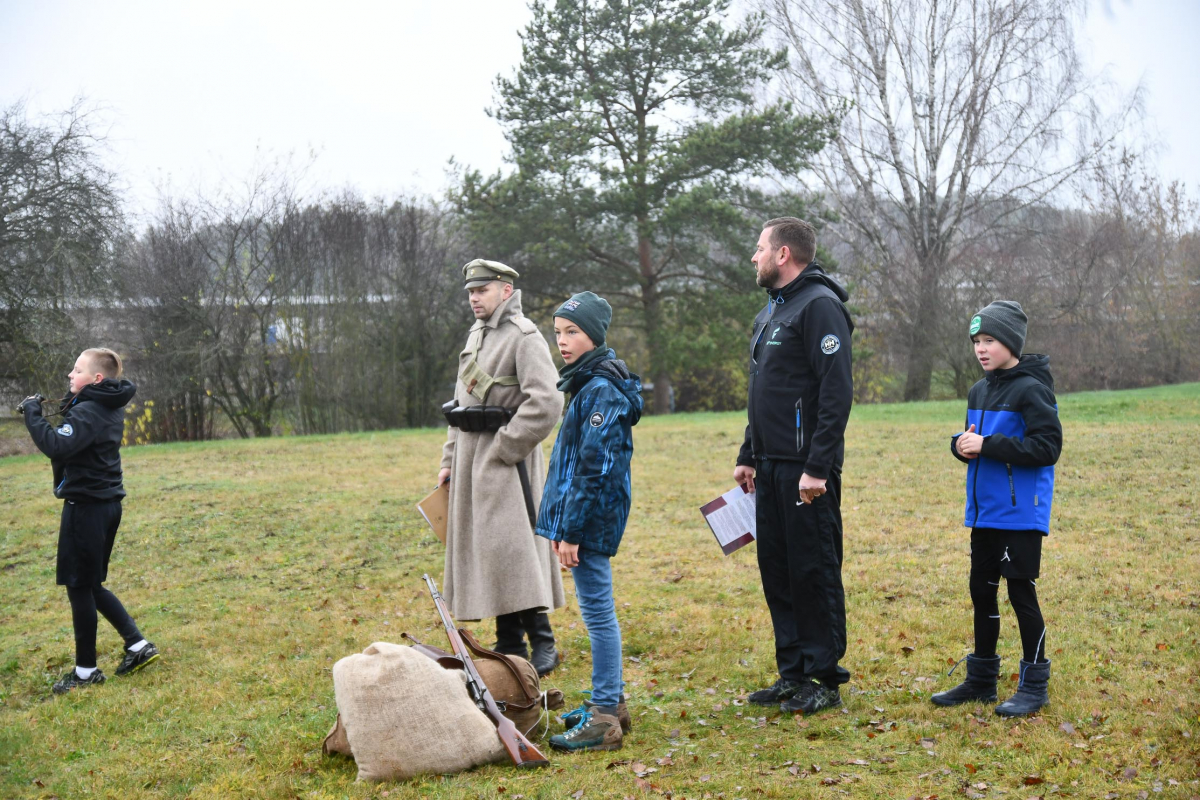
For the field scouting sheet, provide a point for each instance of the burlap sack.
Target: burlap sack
(404, 715)
(335, 741)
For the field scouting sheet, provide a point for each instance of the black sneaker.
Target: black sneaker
(776, 693)
(814, 696)
(72, 681)
(135, 661)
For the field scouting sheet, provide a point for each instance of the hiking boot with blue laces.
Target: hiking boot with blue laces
(598, 729)
(72, 681)
(136, 661)
(571, 718)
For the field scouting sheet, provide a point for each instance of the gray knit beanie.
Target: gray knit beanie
(590, 312)
(1006, 321)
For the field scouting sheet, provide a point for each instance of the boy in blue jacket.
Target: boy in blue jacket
(85, 455)
(586, 502)
(1011, 444)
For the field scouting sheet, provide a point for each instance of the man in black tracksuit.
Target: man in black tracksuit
(800, 394)
(85, 455)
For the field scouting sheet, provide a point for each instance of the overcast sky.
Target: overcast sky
(385, 93)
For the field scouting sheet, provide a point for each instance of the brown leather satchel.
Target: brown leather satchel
(512, 680)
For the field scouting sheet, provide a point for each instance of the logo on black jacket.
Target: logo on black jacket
(65, 430)
(830, 344)
(596, 420)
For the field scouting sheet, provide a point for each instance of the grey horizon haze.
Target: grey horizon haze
(379, 96)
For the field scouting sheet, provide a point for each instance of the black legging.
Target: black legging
(85, 602)
(1022, 593)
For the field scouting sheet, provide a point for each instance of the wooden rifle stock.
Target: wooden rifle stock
(520, 750)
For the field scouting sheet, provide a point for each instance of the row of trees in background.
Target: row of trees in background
(956, 147)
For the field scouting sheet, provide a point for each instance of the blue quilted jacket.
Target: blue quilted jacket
(1011, 484)
(587, 496)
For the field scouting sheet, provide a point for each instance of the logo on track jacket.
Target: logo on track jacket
(801, 385)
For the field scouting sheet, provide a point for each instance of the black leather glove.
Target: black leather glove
(33, 398)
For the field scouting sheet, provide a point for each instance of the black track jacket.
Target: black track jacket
(801, 386)
(85, 448)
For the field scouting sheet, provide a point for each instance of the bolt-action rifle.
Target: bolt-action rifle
(520, 750)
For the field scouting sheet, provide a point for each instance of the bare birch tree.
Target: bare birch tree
(957, 115)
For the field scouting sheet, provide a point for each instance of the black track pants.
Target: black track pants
(800, 562)
(1022, 593)
(85, 602)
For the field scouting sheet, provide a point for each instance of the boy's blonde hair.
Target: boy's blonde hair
(105, 361)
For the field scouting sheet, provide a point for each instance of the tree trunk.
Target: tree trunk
(921, 341)
(652, 314)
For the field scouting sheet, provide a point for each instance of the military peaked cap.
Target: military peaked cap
(480, 271)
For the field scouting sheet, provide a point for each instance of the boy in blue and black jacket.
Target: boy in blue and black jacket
(1012, 441)
(85, 456)
(586, 502)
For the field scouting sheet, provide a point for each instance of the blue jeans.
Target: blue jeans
(593, 587)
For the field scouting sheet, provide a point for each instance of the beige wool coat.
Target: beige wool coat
(494, 562)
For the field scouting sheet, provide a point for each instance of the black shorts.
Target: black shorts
(1012, 554)
(85, 541)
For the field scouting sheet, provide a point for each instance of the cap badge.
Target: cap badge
(975, 324)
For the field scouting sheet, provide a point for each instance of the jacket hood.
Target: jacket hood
(108, 393)
(1031, 364)
(813, 273)
(618, 374)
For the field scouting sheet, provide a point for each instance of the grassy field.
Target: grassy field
(255, 565)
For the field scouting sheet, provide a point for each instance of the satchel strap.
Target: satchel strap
(532, 699)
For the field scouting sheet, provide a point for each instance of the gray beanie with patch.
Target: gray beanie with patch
(1004, 320)
(590, 312)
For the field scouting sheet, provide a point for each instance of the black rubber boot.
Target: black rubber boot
(979, 687)
(1033, 691)
(510, 635)
(541, 639)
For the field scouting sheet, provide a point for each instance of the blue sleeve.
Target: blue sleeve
(954, 444)
(604, 425)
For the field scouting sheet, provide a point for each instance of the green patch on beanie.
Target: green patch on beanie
(975, 323)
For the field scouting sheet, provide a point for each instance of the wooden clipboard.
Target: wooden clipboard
(435, 508)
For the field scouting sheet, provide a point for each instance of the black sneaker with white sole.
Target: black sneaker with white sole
(776, 693)
(813, 696)
(72, 681)
(135, 661)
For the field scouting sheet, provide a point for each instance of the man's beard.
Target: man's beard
(767, 276)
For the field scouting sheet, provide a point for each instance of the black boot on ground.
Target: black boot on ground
(979, 686)
(510, 635)
(541, 639)
(1033, 692)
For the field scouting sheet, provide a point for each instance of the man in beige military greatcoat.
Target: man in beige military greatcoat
(495, 565)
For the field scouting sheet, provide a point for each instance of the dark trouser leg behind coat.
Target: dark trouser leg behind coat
(510, 635)
(541, 639)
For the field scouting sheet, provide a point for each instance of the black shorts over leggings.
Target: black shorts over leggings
(86, 535)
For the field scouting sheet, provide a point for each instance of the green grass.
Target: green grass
(255, 565)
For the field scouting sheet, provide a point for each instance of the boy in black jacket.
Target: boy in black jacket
(1011, 444)
(85, 455)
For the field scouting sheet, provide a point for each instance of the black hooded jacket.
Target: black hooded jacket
(85, 448)
(801, 385)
